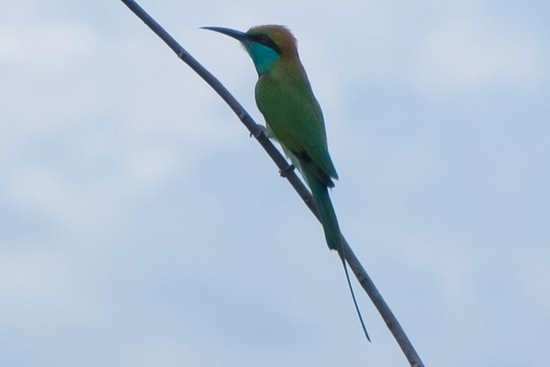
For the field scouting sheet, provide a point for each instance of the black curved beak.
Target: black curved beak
(241, 36)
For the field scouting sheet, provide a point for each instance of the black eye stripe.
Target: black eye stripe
(264, 39)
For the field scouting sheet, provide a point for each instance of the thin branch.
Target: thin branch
(286, 171)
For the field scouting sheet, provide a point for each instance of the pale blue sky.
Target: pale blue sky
(141, 226)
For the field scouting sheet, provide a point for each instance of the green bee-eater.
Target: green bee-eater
(293, 117)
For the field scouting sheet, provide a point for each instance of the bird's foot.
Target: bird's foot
(285, 172)
(259, 129)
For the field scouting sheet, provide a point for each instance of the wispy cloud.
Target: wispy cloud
(465, 54)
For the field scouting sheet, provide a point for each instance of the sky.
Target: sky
(140, 225)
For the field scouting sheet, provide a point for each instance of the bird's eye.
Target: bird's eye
(265, 40)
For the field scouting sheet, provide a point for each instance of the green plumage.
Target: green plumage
(294, 118)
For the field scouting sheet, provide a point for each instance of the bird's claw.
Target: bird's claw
(259, 129)
(285, 172)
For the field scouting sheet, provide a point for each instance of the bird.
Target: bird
(294, 118)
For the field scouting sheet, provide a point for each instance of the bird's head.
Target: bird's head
(266, 44)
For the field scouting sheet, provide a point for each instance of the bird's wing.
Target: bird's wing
(294, 116)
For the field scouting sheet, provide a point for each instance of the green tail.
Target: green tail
(327, 215)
